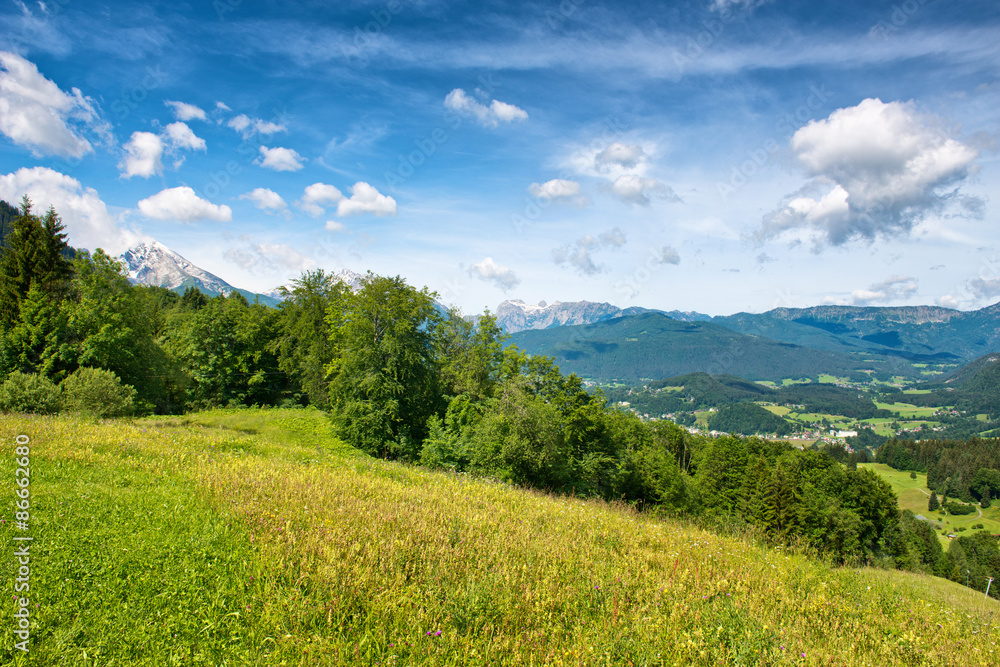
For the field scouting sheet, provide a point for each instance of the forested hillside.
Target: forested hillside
(653, 346)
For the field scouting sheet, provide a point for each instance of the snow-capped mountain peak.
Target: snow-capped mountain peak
(152, 263)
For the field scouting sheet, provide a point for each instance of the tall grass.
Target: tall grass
(254, 537)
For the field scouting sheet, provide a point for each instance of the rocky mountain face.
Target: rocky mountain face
(516, 315)
(155, 264)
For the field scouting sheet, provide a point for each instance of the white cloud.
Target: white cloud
(265, 199)
(183, 205)
(181, 136)
(497, 274)
(88, 223)
(634, 189)
(184, 111)
(334, 226)
(143, 155)
(668, 255)
(366, 199)
(625, 156)
(507, 113)
(318, 195)
(727, 5)
(268, 257)
(892, 289)
(248, 126)
(949, 301)
(144, 150)
(489, 116)
(985, 288)
(613, 238)
(878, 169)
(578, 253)
(558, 189)
(279, 159)
(37, 114)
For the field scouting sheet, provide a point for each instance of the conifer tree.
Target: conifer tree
(933, 504)
(33, 256)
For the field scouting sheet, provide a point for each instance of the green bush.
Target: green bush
(959, 509)
(32, 393)
(97, 392)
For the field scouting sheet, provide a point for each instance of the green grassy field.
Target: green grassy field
(254, 537)
(906, 410)
(913, 495)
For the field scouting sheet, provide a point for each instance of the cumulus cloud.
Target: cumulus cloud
(985, 288)
(248, 126)
(634, 189)
(318, 195)
(184, 111)
(554, 189)
(37, 114)
(892, 289)
(625, 156)
(268, 257)
(366, 199)
(558, 189)
(579, 253)
(334, 226)
(179, 135)
(949, 301)
(265, 199)
(878, 169)
(183, 205)
(668, 255)
(497, 274)
(143, 155)
(489, 116)
(88, 223)
(279, 159)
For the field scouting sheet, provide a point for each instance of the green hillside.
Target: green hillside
(973, 388)
(911, 333)
(653, 346)
(747, 419)
(253, 537)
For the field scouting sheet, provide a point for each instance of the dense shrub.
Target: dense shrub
(29, 393)
(97, 392)
(959, 509)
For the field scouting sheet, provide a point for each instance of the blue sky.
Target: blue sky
(711, 155)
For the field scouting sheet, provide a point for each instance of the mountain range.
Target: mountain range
(516, 315)
(604, 341)
(653, 346)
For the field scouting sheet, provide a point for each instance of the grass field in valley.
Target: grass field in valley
(913, 495)
(253, 537)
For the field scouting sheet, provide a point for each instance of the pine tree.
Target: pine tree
(933, 504)
(34, 255)
(986, 500)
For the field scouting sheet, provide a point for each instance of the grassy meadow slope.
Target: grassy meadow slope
(253, 537)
